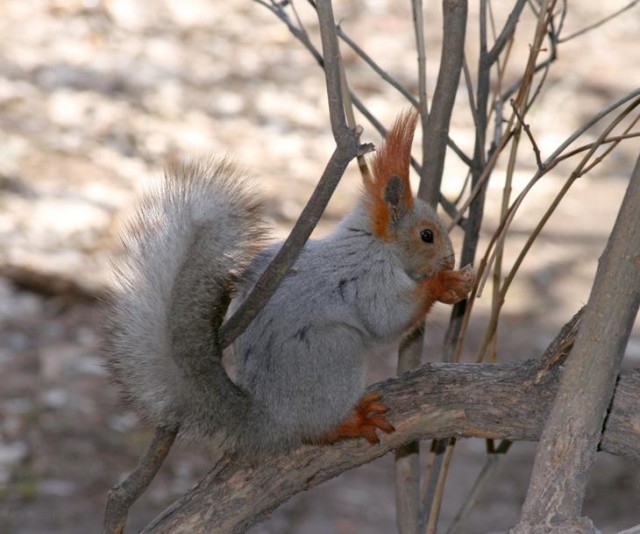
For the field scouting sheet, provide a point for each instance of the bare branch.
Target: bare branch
(509, 401)
(346, 149)
(589, 146)
(435, 137)
(377, 68)
(568, 444)
(487, 473)
(469, 85)
(527, 130)
(588, 124)
(123, 495)
(548, 164)
(598, 23)
(507, 32)
(438, 493)
(421, 46)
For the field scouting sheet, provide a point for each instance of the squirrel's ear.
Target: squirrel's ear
(389, 191)
(395, 198)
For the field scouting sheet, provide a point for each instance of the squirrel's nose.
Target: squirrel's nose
(449, 261)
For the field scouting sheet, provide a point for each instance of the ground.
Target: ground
(96, 96)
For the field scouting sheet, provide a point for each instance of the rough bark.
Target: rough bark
(508, 401)
(571, 435)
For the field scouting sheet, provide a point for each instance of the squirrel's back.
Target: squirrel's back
(184, 250)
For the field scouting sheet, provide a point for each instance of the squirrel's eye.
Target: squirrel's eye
(426, 235)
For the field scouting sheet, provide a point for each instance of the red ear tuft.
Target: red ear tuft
(392, 161)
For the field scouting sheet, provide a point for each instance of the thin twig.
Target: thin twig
(431, 475)
(613, 145)
(469, 85)
(578, 172)
(376, 68)
(507, 32)
(563, 16)
(487, 473)
(480, 182)
(614, 139)
(598, 23)
(407, 458)
(552, 38)
(588, 124)
(421, 46)
(351, 120)
(543, 65)
(527, 79)
(123, 495)
(439, 492)
(527, 130)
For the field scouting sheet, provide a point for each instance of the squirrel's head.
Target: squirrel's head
(408, 224)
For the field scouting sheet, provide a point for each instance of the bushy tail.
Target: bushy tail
(184, 250)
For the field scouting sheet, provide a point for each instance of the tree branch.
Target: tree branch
(568, 444)
(434, 401)
(123, 495)
(508, 401)
(346, 149)
(507, 32)
(437, 128)
(599, 22)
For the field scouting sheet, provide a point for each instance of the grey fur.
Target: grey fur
(302, 357)
(300, 363)
(188, 242)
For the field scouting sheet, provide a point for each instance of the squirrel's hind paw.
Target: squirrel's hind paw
(363, 421)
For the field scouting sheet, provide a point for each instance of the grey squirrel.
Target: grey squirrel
(196, 243)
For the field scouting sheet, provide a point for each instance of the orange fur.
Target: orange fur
(393, 158)
(446, 286)
(363, 421)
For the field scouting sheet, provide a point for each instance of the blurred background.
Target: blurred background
(96, 96)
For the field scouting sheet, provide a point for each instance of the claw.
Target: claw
(369, 433)
(363, 422)
(377, 407)
(383, 424)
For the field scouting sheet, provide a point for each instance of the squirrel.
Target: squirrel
(198, 240)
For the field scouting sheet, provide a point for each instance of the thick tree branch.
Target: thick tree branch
(568, 445)
(434, 401)
(509, 401)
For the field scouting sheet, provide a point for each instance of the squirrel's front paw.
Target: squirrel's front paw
(454, 286)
